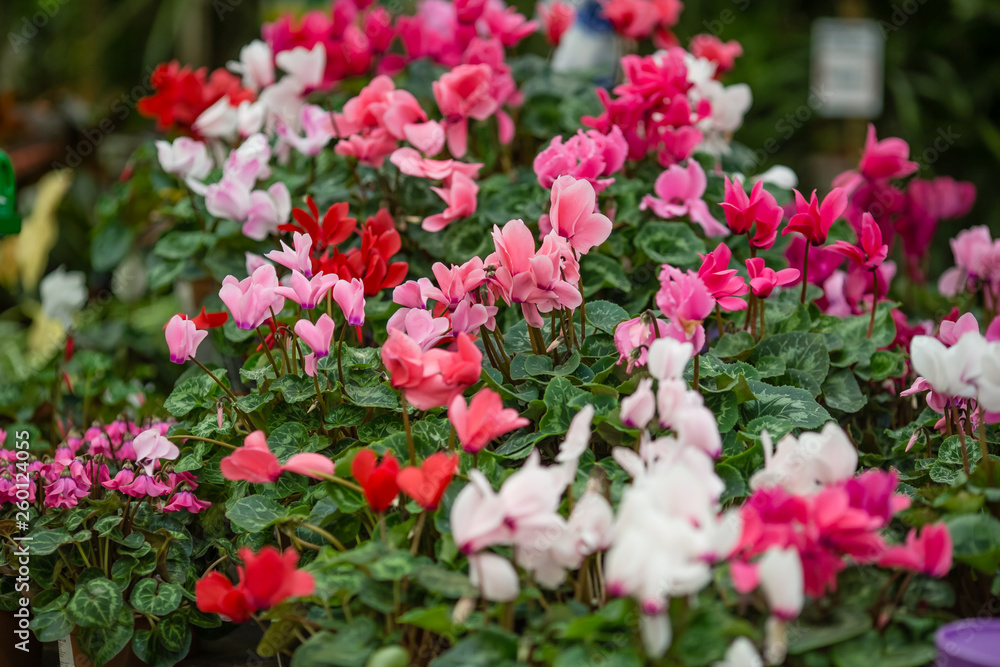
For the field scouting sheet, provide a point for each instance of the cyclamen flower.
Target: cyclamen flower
(483, 420)
(186, 500)
(725, 284)
(185, 158)
(464, 93)
(378, 481)
(679, 192)
(460, 199)
(634, 337)
(298, 259)
(763, 279)
(251, 300)
(885, 159)
(183, 338)
(711, 48)
(427, 484)
(572, 214)
(930, 552)
(266, 579)
(758, 210)
(316, 335)
(350, 296)
(433, 378)
(318, 129)
(683, 298)
(557, 17)
(871, 252)
(588, 155)
(814, 220)
(307, 292)
(268, 210)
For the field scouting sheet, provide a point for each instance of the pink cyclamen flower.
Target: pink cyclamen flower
(268, 209)
(183, 339)
(150, 446)
(812, 219)
(307, 292)
(638, 409)
(253, 462)
(572, 214)
(679, 192)
(296, 258)
(145, 486)
(228, 199)
(763, 280)
(460, 200)
(186, 500)
(725, 284)
(350, 296)
(888, 158)
(318, 129)
(309, 464)
(411, 163)
(683, 298)
(420, 326)
(556, 17)
(482, 420)
(710, 47)
(929, 553)
(758, 208)
(589, 155)
(251, 300)
(633, 339)
(871, 252)
(318, 335)
(462, 93)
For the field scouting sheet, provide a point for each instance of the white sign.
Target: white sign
(847, 66)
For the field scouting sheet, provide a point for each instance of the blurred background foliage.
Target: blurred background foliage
(71, 72)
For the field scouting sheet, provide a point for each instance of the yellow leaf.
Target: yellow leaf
(40, 229)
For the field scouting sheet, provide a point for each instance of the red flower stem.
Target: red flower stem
(871, 323)
(805, 273)
(409, 433)
(984, 450)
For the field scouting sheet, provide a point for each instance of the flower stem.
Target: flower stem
(338, 480)
(409, 432)
(415, 544)
(267, 351)
(762, 305)
(323, 533)
(961, 439)
(695, 384)
(871, 323)
(340, 364)
(195, 437)
(984, 450)
(212, 375)
(805, 273)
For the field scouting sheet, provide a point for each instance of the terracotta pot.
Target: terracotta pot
(11, 656)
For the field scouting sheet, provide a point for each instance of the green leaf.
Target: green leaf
(350, 647)
(445, 583)
(976, 540)
(736, 486)
(45, 541)
(109, 246)
(254, 402)
(672, 243)
(558, 413)
(437, 619)
(605, 316)
(255, 513)
(805, 352)
(95, 603)
(599, 271)
(733, 345)
(845, 626)
(725, 408)
(156, 599)
(379, 396)
(295, 388)
(181, 245)
(841, 392)
(885, 364)
(199, 391)
(951, 450)
(101, 644)
(393, 567)
(795, 405)
(486, 648)
(51, 626)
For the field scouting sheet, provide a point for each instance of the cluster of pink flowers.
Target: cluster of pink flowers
(655, 107)
(121, 456)
(431, 378)
(808, 499)
(638, 19)
(589, 155)
(977, 266)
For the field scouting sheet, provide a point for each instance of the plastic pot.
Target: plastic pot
(971, 642)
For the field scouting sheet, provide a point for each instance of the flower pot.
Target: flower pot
(11, 656)
(971, 642)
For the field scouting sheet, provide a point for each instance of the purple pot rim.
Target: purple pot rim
(952, 632)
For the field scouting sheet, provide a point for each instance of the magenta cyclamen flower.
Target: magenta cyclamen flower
(763, 280)
(145, 485)
(252, 299)
(888, 158)
(186, 500)
(725, 284)
(464, 93)
(350, 296)
(307, 292)
(317, 336)
(871, 252)
(183, 339)
(588, 156)
(679, 192)
(758, 208)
